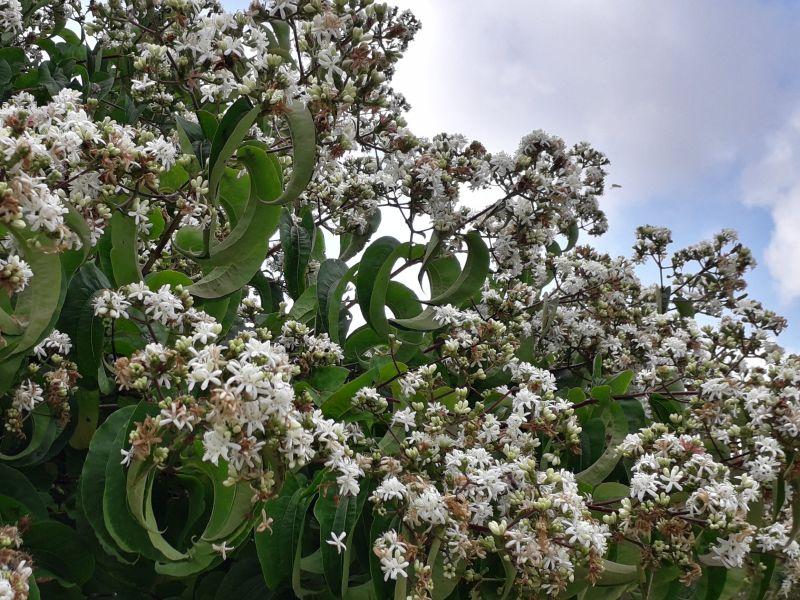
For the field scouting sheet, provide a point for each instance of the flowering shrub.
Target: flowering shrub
(201, 398)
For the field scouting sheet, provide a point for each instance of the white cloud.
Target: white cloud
(669, 90)
(774, 182)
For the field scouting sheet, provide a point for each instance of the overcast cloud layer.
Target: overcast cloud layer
(696, 103)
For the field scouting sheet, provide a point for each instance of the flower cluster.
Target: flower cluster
(48, 383)
(668, 467)
(58, 159)
(237, 396)
(15, 565)
(468, 477)
(15, 274)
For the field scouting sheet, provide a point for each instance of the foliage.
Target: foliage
(202, 398)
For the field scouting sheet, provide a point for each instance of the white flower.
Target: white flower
(405, 417)
(644, 484)
(127, 456)
(11, 20)
(140, 211)
(177, 415)
(6, 591)
(163, 305)
(348, 478)
(732, 550)
(428, 507)
(448, 315)
(27, 396)
(671, 479)
(773, 537)
(216, 444)
(337, 541)
(111, 304)
(393, 566)
(222, 549)
(55, 343)
(283, 8)
(163, 151)
(206, 331)
(390, 488)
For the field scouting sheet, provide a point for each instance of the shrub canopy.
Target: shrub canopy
(218, 381)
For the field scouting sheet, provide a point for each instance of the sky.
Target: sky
(696, 104)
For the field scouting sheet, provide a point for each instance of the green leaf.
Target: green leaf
(372, 260)
(19, 488)
(269, 291)
(442, 586)
(331, 272)
(304, 152)
(243, 580)
(610, 490)
(617, 574)
(192, 139)
(257, 223)
(328, 379)
(72, 259)
(352, 244)
(305, 307)
(158, 279)
(126, 532)
(572, 236)
(124, 254)
(663, 407)
(403, 303)
(597, 367)
(719, 583)
(380, 282)
(380, 525)
(78, 320)
(337, 514)
(685, 307)
(189, 240)
(620, 382)
(41, 438)
(228, 522)
(663, 299)
(425, 321)
(93, 475)
(592, 442)
(297, 240)
(601, 469)
(472, 276)
(14, 56)
(173, 179)
(5, 72)
(157, 223)
(335, 304)
(38, 303)
(232, 129)
(277, 549)
(238, 258)
(59, 552)
(664, 584)
(442, 273)
(338, 403)
(208, 123)
(374, 274)
(234, 192)
(88, 402)
(8, 324)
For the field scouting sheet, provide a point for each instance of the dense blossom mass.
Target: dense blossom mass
(196, 383)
